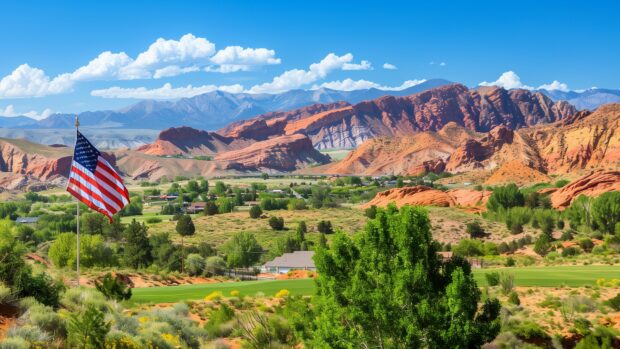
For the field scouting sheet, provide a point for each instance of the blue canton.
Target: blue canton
(85, 153)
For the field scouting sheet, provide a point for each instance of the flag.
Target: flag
(94, 182)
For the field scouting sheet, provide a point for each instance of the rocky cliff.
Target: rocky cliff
(347, 126)
(189, 141)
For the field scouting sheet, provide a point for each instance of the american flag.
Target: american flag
(93, 180)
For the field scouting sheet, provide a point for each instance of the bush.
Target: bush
(492, 278)
(510, 262)
(215, 265)
(513, 298)
(505, 197)
(475, 230)
(214, 296)
(153, 220)
(113, 288)
(542, 245)
(284, 293)
(506, 282)
(296, 204)
(255, 211)
(89, 329)
(325, 227)
(614, 303)
(586, 244)
(569, 251)
(566, 236)
(371, 212)
(276, 223)
(194, 264)
(468, 248)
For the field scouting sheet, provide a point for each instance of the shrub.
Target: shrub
(325, 227)
(234, 293)
(284, 293)
(492, 278)
(569, 251)
(503, 248)
(468, 248)
(614, 302)
(276, 223)
(88, 329)
(561, 182)
(255, 211)
(586, 244)
(566, 236)
(505, 197)
(542, 245)
(113, 288)
(153, 220)
(510, 262)
(214, 296)
(217, 318)
(211, 208)
(296, 204)
(513, 298)
(506, 282)
(371, 212)
(215, 265)
(475, 230)
(194, 264)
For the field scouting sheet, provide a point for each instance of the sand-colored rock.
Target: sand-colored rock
(593, 184)
(516, 172)
(426, 196)
(189, 141)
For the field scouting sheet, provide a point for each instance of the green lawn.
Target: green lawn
(527, 276)
(166, 294)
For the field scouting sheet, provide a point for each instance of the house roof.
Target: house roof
(27, 219)
(297, 259)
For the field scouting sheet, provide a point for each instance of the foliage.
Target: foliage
(276, 223)
(215, 265)
(468, 248)
(391, 271)
(211, 208)
(301, 231)
(283, 293)
(255, 211)
(194, 264)
(93, 251)
(113, 288)
(492, 278)
(325, 227)
(371, 212)
(614, 302)
(606, 211)
(513, 298)
(475, 230)
(505, 197)
(242, 250)
(165, 254)
(506, 282)
(88, 329)
(542, 245)
(137, 248)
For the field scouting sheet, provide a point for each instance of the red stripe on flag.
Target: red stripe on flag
(104, 166)
(89, 203)
(101, 177)
(93, 195)
(93, 182)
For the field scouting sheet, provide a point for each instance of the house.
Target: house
(298, 260)
(27, 220)
(196, 207)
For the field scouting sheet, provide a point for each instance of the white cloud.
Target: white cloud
(510, 80)
(555, 85)
(351, 85)
(442, 64)
(188, 50)
(235, 58)
(173, 70)
(363, 65)
(507, 80)
(9, 111)
(389, 66)
(26, 81)
(164, 92)
(163, 58)
(297, 78)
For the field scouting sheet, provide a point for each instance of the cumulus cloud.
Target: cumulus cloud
(237, 58)
(363, 65)
(510, 80)
(555, 85)
(163, 58)
(164, 92)
(9, 111)
(352, 85)
(26, 81)
(297, 78)
(389, 66)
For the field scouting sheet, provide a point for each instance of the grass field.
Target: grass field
(556, 276)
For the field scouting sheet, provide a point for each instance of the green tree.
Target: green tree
(505, 197)
(211, 208)
(542, 245)
(138, 250)
(194, 264)
(215, 265)
(93, 223)
(185, 227)
(325, 227)
(387, 289)
(220, 188)
(276, 223)
(255, 211)
(88, 330)
(475, 230)
(242, 250)
(371, 212)
(165, 254)
(112, 287)
(301, 231)
(606, 211)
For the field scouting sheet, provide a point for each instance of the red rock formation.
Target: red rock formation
(593, 184)
(474, 151)
(285, 153)
(348, 126)
(426, 196)
(189, 141)
(33, 160)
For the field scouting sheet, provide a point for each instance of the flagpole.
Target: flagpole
(77, 125)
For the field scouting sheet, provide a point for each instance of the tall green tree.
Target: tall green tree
(387, 288)
(138, 250)
(242, 250)
(505, 197)
(185, 227)
(301, 231)
(606, 211)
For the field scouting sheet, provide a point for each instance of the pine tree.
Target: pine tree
(185, 227)
(137, 252)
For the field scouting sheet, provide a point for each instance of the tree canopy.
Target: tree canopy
(387, 288)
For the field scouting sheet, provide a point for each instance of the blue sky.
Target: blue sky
(262, 46)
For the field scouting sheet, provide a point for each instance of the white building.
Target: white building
(298, 260)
